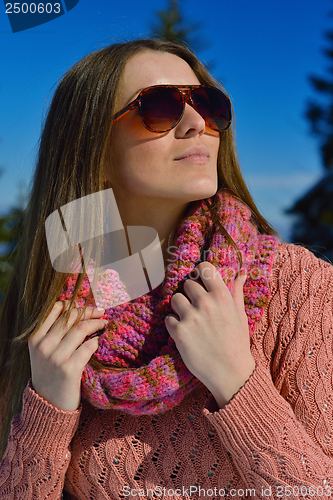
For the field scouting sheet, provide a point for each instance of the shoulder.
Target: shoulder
(289, 251)
(294, 263)
(301, 294)
(298, 320)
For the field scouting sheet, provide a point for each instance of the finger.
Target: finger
(55, 315)
(82, 355)
(78, 314)
(210, 276)
(171, 322)
(180, 304)
(44, 327)
(238, 294)
(194, 290)
(75, 337)
(61, 328)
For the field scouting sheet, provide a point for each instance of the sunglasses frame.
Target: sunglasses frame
(186, 96)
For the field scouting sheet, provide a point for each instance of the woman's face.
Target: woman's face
(148, 166)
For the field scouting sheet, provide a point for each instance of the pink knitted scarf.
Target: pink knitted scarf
(144, 373)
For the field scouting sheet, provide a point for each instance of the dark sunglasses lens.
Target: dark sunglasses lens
(213, 106)
(161, 108)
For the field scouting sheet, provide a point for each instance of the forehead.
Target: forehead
(153, 68)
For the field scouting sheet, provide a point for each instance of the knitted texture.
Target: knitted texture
(152, 376)
(274, 436)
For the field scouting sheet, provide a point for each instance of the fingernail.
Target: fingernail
(100, 309)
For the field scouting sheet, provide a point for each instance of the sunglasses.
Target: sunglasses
(161, 107)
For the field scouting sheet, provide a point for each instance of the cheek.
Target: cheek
(213, 138)
(130, 130)
(137, 165)
(141, 159)
(215, 149)
(134, 145)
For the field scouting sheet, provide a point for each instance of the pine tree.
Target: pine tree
(172, 25)
(320, 115)
(10, 232)
(314, 210)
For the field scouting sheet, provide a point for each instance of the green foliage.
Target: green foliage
(172, 25)
(320, 114)
(313, 225)
(10, 232)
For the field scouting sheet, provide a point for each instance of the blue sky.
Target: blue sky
(263, 52)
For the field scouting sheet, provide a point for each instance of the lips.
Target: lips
(195, 152)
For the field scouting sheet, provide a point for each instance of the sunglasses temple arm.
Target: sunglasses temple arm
(124, 111)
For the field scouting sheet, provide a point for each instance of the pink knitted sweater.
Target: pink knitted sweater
(273, 439)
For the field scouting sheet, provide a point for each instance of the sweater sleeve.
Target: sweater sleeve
(278, 428)
(38, 451)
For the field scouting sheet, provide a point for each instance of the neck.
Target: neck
(164, 217)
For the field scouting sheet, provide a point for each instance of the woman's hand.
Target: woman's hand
(212, 333)
(58, 358)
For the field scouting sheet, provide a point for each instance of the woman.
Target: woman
(218, 382)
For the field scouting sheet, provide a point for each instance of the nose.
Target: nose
(192, 123)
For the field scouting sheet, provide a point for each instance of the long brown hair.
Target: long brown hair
(72, 153)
